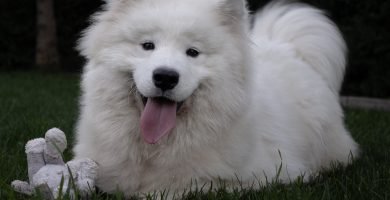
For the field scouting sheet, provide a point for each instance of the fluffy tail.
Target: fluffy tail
(316, 39)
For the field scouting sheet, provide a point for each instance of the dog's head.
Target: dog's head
(181, 54)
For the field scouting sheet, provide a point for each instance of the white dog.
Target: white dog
(184, 91)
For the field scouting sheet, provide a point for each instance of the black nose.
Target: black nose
(165, 79)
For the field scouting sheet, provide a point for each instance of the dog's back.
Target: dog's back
(298, 71)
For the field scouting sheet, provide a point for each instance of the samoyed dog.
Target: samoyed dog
(177, 92)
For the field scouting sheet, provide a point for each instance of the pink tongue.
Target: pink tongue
(157, 119)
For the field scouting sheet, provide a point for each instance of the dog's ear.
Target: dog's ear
(111, 2)
(118, 4)
(236, 10)
(234, 14)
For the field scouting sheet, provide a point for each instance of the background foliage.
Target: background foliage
(365, 25)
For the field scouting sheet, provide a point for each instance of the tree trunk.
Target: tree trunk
(47, 57)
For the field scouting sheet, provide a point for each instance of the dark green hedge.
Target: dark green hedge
(365, 25)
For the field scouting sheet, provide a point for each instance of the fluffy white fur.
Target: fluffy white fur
(256, 98)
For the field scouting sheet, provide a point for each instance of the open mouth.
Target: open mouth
(162, 100)
(158, 117)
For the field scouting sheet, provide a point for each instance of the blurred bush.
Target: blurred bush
(365, 25)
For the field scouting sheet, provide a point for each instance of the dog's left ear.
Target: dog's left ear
(234, 10)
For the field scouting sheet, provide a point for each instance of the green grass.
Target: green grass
(31, 103)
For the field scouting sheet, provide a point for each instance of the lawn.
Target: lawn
(31, 103)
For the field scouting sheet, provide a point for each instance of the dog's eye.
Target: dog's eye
(192, 52)
(148, 46)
